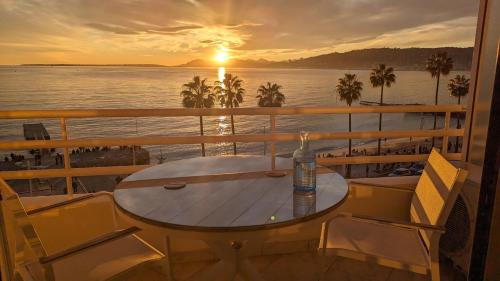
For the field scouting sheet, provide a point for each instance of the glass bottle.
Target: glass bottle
(304, 165)
(304, 203)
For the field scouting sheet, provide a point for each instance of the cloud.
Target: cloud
(176, 29)
(111, 28)
(457, 32)
(136, 27)
(15, 47)
(181, 30)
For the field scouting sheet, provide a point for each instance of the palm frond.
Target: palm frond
(438, 64)
(459, 86)
(270, 95)
(349, 88)
(197, 94)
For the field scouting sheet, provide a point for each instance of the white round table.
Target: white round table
(226, 201)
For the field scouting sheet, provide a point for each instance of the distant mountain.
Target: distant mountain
(67, 64)
(232, 63)
(400, 59)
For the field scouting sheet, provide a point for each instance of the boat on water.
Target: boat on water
(365, 102)
(372, 103)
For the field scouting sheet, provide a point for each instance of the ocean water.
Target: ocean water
(23, 88)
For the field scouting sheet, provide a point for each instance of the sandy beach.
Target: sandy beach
(395, 145)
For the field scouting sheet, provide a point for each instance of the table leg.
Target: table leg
(248, 271)
(244, 267)
(220, 271)
(167, 263)
(234, 261)
(225, 268)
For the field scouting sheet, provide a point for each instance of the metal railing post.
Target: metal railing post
(270, 136)
(30, 181)
(272, 120)
(447, 118)
(67, 162)
(133, 155)
(133, 146)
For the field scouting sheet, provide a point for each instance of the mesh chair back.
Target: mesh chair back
(436, 192)
(20, 242)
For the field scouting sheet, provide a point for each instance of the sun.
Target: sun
(221, 56)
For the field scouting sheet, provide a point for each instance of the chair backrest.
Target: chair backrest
(436, 192)
(20, 242)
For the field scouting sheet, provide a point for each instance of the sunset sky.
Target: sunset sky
(176, 31)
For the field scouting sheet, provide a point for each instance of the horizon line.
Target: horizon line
(194, 59)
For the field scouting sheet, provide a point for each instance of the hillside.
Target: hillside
(68, 64)
(400, 59)
(232, 63)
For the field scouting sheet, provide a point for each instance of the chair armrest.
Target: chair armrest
(423, 226)
(108, 237)
(398, 188)
(60, 204)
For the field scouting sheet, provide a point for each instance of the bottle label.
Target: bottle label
(304, 177)
(304, 203)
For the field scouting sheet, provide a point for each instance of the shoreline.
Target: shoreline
(371, 146)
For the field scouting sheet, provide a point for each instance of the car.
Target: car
(418, 172)
(417, 169)
(400, 172)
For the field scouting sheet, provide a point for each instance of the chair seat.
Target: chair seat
(105, 261)
(381, 240)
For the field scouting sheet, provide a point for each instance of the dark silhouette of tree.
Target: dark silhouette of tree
(458, 87)
(196, 94)
(436, 65)
(349, 90)
(230, 94)
(382, 76)
(270, 96)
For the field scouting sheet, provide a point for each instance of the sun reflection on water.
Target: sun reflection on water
(222, 124)
(222, 71)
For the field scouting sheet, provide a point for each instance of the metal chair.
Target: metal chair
(409, 245)
(114, 255)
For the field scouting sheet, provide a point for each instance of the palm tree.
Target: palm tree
(436, 65)
(196, 94)
(270, 96)
(349, 90)
(458, 87)
(230, 94)
(382, 76)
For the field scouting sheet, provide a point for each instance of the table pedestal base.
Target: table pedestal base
(233, 262)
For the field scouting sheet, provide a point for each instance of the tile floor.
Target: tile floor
(305, 267)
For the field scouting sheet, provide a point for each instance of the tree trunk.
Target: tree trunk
(350, 149)
(436, 102)
(201, 134)
(380, 121)
(232, 131)
(458, 127)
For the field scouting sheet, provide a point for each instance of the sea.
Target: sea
(122, 87)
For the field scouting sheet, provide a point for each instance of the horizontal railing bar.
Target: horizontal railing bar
(381, 159)
(210, 178)
(123, 170)
(72, 172)
(245, 138)
(176, 112)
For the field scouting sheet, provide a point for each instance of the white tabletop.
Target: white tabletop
(236, 204)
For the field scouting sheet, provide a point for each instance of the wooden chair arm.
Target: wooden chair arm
(423, 226)
(398, 188)
(108, 237)
(60, 204)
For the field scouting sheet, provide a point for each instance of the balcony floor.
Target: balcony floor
(305, 267)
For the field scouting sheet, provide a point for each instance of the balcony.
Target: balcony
(289, 259)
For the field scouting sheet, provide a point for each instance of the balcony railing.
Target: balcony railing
(272, 137)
